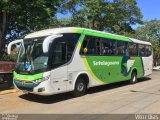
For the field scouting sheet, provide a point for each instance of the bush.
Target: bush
(6, 57)
(12, 57)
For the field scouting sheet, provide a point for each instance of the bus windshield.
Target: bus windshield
(31, 56)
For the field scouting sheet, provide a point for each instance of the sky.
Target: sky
(150, 9)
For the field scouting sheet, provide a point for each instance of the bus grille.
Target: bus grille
(25, 88)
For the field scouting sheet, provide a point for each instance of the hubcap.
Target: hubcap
(80, 87)
(134, 78)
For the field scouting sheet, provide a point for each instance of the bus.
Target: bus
(74, 59)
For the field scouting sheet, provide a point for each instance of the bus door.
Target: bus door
(62, 52)
(59, 66)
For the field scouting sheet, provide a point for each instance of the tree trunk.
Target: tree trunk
(0, 43)
(3, 31)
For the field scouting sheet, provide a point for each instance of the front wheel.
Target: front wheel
(133, 79)
(80, 87)
(1, 79)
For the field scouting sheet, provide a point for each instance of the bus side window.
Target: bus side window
(121, 48)
(108, 47)
(90, 46)
(141, 49)
(59, 53)
(132, 48)
(84, 49)
(98, 46)
(148, 50)
(63, 49)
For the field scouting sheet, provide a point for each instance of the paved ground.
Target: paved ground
(143, 97)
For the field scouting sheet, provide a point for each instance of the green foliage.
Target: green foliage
(19, 17)
(26, 16)
(150, 31)
(11, 57)
(64, 22)
(6, 57)
(116, 16)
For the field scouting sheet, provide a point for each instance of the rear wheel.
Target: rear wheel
(80, 87)
(133, 79)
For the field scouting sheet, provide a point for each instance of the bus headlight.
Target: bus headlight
(43, 79)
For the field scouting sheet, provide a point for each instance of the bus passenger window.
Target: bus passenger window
(141, 50)
(84, 46)
(148, 51)
(90, 46)
(121, 48)
(132, 47)
(108, 47)
(97, 47)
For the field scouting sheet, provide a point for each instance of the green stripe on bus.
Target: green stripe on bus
(28, 77)
(112, 69)
(101, 34)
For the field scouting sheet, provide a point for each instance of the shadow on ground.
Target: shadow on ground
(65, 96)
(5, 86)
(144, 92)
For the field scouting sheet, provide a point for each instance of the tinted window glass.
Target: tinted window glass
(63, 49)
(132, 48)
(108, 47)
(121, 48)
(90, 46)
(148, 51)
(141, 49)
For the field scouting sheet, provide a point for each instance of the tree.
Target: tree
(64, 22)
(150, 32)
(115, 16)
(18, 17)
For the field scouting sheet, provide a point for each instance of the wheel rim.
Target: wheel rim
(134, 78)
(80, 87)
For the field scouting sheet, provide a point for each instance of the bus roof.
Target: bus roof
(140, 41)
(48, 32)
(52, 31)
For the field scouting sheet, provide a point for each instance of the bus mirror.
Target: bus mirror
(85, 50)
(12, 43)
(49, 40)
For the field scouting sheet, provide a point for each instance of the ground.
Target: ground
(119, 98)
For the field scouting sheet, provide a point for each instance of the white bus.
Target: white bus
(73, 59)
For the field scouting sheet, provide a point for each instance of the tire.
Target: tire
(6, 80)
(133, 79)
(80, 87)
(9, 80)
(1, 79)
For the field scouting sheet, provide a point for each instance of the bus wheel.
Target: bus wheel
(133, 79)
(1, 79)
(80, 87)
(9, 79)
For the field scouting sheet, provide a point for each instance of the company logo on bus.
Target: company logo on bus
(106, 63)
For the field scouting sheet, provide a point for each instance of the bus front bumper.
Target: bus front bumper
(44, 88)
